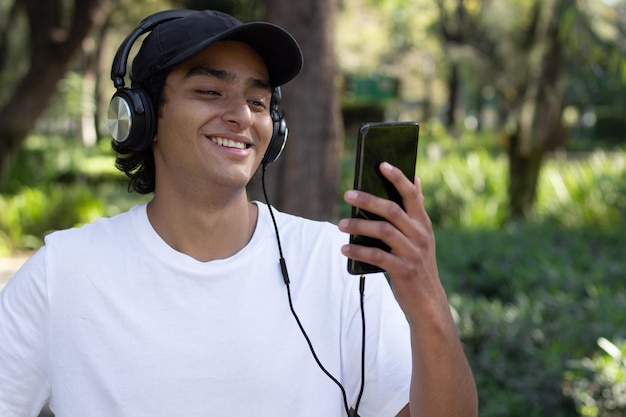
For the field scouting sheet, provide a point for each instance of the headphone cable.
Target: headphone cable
(351, 412)
(361, 301)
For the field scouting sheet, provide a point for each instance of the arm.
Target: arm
(23, 305)
(442, 383)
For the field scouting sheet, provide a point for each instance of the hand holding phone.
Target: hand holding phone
(395, 143)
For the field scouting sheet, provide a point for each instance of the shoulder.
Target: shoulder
(101, 225)
(105, 236)
(310, 247)
(307, 228)
(304, 235)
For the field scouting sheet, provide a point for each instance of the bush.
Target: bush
(516, 375)
(32, 213)
(529, 300)
(597, 384)
(465, 185)
(589, 191)
(56, 185)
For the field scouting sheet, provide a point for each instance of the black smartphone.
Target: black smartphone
(395, 143)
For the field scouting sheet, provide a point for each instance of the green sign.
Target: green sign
(371, 87)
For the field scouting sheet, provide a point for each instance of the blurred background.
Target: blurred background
(522, 110)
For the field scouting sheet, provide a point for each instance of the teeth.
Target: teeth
(228, 143)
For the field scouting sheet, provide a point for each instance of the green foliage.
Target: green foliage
(54, 185)
(598, 383)
(504, 343)
(34, 212)
(589, 191)
(521, 259)
(529, 301)
(464, 189)
(465, 183)
(46, 160)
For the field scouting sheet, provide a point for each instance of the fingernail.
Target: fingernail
(386, 166)
(351, 195)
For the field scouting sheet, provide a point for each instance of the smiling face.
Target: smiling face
(214, 124)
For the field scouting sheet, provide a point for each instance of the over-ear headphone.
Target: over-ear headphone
(279, 130)
(132, 117)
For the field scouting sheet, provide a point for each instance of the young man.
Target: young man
(181, 307)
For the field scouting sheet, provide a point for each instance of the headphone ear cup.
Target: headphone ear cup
(279, 129)
(132, 119)
(278, 140)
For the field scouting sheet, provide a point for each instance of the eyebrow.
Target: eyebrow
(204, 71)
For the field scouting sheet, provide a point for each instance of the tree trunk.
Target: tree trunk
(453, 96)
(304, 181)
(539, 124)
(52, 51)
(524, 167)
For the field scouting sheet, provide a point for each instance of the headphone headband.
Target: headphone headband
(120, 62)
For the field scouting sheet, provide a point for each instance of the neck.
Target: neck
(204, 230)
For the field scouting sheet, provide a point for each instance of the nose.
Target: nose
(237, 112)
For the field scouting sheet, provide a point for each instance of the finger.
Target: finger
(398, 242)
(411, 192)
(387, 209)
(381, 229)
(370, 255)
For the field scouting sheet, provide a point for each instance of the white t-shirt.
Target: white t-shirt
(107, 320)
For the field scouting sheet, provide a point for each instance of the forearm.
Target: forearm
(442, 383)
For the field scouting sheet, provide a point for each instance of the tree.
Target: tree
(528, 52)
(304, 181)
(56, 34)
(455, 28)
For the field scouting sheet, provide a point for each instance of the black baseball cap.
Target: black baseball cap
(177, 40)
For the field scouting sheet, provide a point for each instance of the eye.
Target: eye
(208, 92)
(259, 100)
(258, 105)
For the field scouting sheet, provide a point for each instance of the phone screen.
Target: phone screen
(395, 143)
